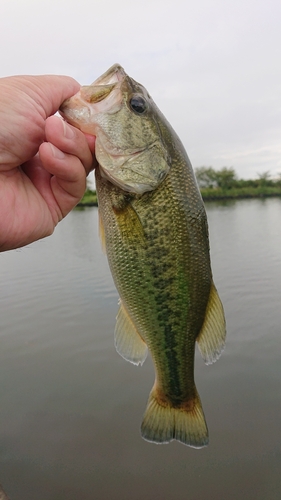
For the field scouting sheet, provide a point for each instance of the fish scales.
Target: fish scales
(158, 272)
(155, 233)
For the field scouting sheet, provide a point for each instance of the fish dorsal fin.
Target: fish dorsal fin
(102, 233)
(211, 339)
(128, 342)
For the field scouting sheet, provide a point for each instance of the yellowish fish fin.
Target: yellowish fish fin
(162, 422)
(128, 342)
(130, 225)
(211, 339)
(102, 233)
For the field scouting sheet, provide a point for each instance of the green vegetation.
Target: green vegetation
(223, 184)
(89, 199)
(218, 185)
(246, 192)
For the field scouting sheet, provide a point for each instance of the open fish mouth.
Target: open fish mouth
(102, 96)
(114, 74)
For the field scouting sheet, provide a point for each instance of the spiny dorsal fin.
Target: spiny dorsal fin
(128, 342)
(211, 339)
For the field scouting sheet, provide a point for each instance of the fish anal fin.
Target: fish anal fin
(128, 342)
(163, 422)
(102, 233)
(211, 339)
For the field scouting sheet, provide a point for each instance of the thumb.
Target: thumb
(47, 91)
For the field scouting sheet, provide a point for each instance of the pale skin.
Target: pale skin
(43, 160)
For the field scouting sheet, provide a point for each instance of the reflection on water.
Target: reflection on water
(71, 407)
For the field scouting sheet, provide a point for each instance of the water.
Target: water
(71, 407)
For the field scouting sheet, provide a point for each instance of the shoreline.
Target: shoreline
(90, 198)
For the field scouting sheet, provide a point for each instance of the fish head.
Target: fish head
(121, 114)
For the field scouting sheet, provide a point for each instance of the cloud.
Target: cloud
(213, 68)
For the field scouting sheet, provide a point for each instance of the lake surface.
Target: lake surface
(71, 407)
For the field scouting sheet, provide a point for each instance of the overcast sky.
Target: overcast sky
(212, 66)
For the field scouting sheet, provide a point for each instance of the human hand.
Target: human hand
(43, 160)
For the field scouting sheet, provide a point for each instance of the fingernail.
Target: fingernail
(57, 153)
(68, 131)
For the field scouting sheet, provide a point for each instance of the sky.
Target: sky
(213, 67)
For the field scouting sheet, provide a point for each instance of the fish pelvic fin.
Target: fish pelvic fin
(163, 423)
(129, 344)
(211, 339)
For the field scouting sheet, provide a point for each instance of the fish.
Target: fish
(153, 227)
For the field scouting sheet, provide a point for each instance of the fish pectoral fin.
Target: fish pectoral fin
(129, 224)
(162, 422)
(128, 342)
(102, 233)
(211, 339)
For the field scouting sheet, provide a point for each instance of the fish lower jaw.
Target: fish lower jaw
(79, 118)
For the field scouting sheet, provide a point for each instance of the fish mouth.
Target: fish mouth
(102, 96)
(106, 86)
(113, 75)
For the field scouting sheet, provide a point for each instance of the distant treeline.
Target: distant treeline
(220, 184)
(224, 183)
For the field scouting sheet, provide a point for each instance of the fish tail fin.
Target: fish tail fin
(163, 422)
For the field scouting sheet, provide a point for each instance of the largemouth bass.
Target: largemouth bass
(154, 228)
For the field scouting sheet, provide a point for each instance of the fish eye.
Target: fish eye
(138, 104)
